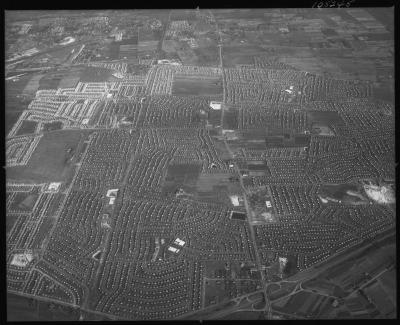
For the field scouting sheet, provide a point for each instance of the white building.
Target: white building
(216, 105)
(234, 200)
(179, 242)
(21, 260)
(282, 263)
(112, 193)
(173, 249)
(53, 187)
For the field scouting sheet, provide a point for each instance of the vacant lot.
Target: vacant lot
(231, 120)
(23, 309)
(95, 74)
(181, 176)
(50, 81)
(70, 80)
(240, 55)
(197, 86)
(24, 202)
(207, 56)
(27, 127)
(206, 182)
(43, 232)
(113, 51)
(325, 118)
(14, 105)
(185, 173)
(339, 192)
(52, 126)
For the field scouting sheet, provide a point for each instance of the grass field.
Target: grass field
(50, 81)
(113, 51)
(181, 176)
(193, 85)
(24, 201)
(21, 309)
(10, 222)
(52, 126)
(33, 85)
(14, 106)
(184, 173)
(10, 119)
(55, 204)
(338, 192)
(206, 182)
(231, 120)
(50, 160)
(149, 35)
(207, 56)
(43, 232)
(95, 74)
(70, 80)
(27, 127)
(239, 55)
(324, 118)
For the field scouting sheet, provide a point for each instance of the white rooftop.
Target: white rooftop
(215, 105)
(179, 242)
(112, 193)
(21, 260)
(173, 249)
(54, 186)
(234, 200)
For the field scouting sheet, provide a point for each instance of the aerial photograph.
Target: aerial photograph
(200, 164)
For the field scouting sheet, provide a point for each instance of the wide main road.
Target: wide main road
(251, 227)
(219, 37)
(252, 234)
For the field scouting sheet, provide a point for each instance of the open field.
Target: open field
(240, 55)
(14, 105)
(192, 85)
(24, 202)
(53, 126)
(95, 74)
(27, 127)
(51, 161)
(21, 309)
